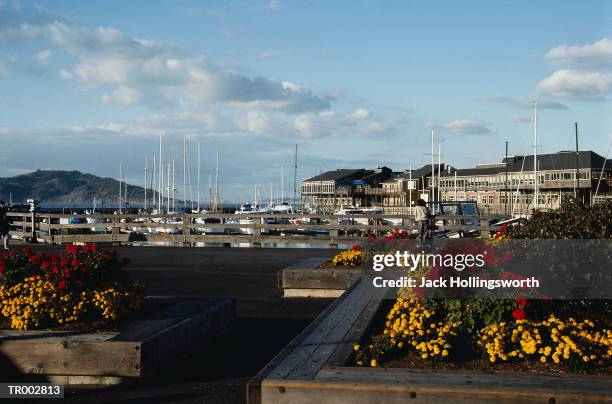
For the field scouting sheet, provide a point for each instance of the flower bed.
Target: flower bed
(443, 328)
(424, 334)
(82, 286)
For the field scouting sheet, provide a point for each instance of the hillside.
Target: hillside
(65, 186)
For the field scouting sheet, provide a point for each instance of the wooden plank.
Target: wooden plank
(318, 278)
(362, 325)
(308, 263)
(141, 348)
(366, 390)
(339, 329)
(309, 356)
(72, 356)
(254, 384)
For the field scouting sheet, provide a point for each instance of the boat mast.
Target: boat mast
(295, 167)
(145, 182)
(185, 172)
(153, 182)
(210, 191)
(439, 170)
(577, 192)
(161, 174)
(169, 183)
(535, 155)
(217, 181)
(174, 182)
(433, 170)
(282, 186)
(125, 200)
(120, 176)
(198, 177)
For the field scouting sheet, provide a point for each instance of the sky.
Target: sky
(355, 84)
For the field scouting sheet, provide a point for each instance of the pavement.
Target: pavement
(264, 322)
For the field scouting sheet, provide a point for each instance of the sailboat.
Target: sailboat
(94, 220)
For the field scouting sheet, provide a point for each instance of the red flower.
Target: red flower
(71, 249)
(521, 301)
(61, 284)
(90, 248)
(66, 273)
(518, 314)
(74, 263)
(356, 247)
(47, 276)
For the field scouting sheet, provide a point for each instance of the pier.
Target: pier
(255, 230)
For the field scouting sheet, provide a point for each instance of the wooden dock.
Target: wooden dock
(256, 229)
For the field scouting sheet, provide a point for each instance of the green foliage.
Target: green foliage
(572, 220)
(472, 314)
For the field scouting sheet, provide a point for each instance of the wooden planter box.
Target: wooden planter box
(306, 279)
(142, 348)
(314, 368)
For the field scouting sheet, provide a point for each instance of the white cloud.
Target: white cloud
(596, 54)
(526, 103)
(163, 72)
(122, 95)
(463, 126)
(577, 85)
(273, 4)
(588, 72)
(43, 57)
(256, 122)
(21, 31)
(359, 113)
(65, 75)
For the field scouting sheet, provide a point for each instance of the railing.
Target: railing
(254, 229)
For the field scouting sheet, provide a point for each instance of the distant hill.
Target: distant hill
(65, 186)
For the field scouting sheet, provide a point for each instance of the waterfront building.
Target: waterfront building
(585, 174)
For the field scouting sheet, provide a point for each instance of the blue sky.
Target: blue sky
(84, 85)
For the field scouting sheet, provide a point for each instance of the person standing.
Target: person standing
(421, 218)
(4, 225)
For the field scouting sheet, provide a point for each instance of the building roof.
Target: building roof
(425, 171)
(339, 174)
(546, 162)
